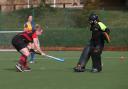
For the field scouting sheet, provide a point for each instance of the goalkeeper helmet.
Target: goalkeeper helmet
(93, 17)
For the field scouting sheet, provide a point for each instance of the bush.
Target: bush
(92, 4)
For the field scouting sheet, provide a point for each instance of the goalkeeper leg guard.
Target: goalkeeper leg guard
(96, 59)
(83, 60)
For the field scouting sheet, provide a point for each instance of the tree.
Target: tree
(43, 3)
(92, 4)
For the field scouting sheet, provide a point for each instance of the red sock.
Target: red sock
(23, 60)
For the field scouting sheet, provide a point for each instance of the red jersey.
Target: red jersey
(28, 36)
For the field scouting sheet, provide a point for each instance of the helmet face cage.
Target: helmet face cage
(93, 18)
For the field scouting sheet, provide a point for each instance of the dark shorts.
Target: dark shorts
(19, 43)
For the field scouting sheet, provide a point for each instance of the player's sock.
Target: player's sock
(23, 60)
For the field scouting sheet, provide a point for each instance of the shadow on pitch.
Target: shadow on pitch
(10, 69)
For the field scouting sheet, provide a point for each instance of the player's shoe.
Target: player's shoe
(31, 62)
(79, 68)
(27, 69)
(19, 68)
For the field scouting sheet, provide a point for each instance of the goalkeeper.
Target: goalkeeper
(24, 42)
(100, 34)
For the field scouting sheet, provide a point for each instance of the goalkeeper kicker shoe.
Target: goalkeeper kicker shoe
(79, 68)
(94, 70)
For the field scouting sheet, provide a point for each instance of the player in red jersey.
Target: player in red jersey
(25, 42)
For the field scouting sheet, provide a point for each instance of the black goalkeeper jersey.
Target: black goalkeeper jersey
(97, 37)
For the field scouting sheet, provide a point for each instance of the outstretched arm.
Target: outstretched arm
(37, 47)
